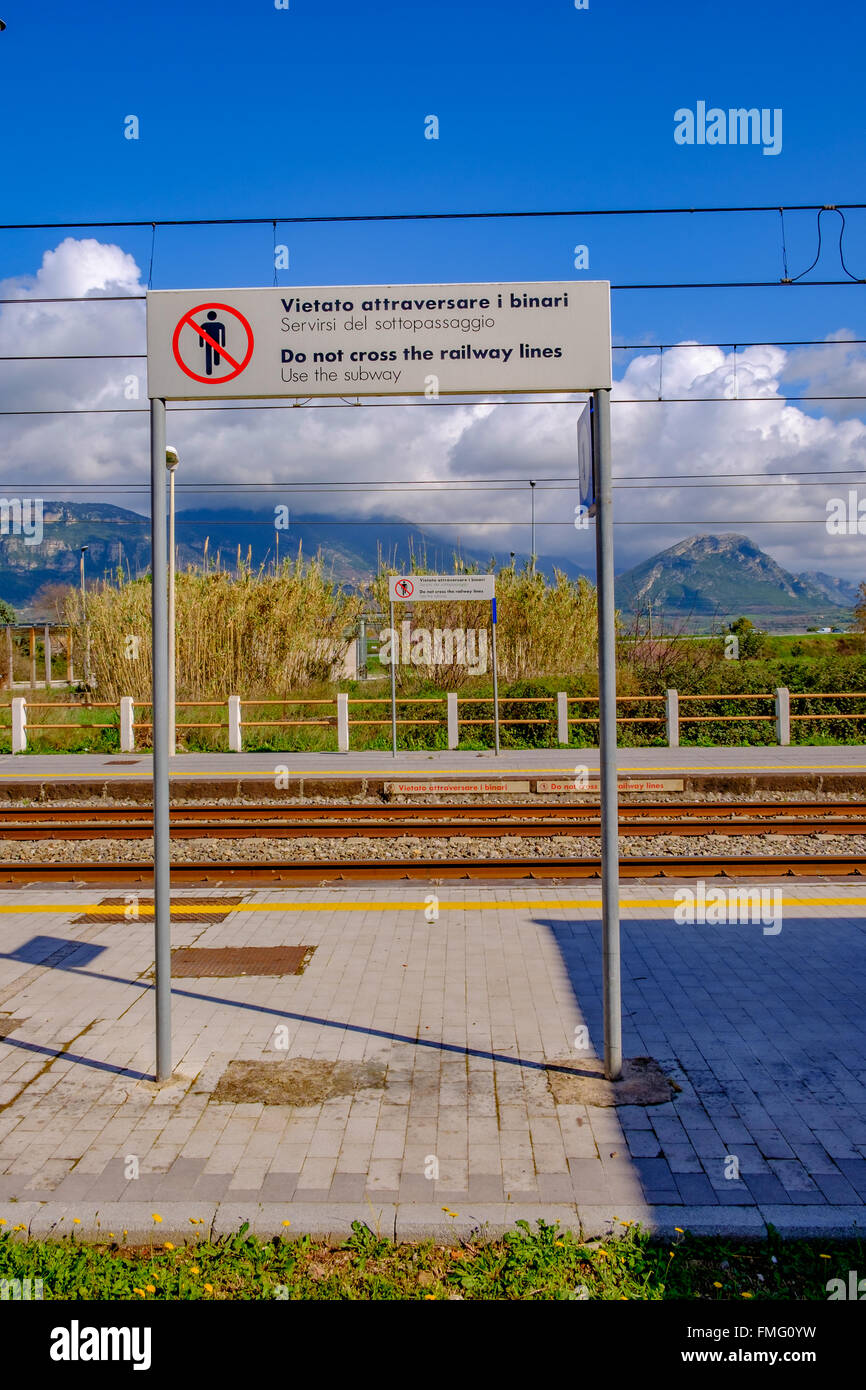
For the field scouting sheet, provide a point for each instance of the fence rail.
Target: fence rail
(561, 720)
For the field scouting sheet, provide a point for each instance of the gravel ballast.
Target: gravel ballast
(363, 848)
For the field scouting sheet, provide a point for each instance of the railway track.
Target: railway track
(435, 821)
(299, 873)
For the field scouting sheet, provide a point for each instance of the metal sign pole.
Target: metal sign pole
(159, 661)
(607, 740)
(394, 643)
(495, 680)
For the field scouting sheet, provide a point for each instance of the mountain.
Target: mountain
(698, 583)
(835, 590)
(117, 537)
(708, 580)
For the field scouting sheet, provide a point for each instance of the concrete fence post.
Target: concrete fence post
(783, 716)
(19, 725)
(672, 717)
(235, 724)
(343, 722)
(127, 732)
(453, 732)
(562, 717)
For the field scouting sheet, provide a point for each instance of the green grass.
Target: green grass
(526, 1264)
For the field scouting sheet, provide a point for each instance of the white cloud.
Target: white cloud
(485, 440)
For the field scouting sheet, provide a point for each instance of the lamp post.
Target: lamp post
(172, 459)
(84, 625)
(532, 495)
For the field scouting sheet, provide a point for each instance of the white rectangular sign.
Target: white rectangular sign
(624, 784)
(439, 788)
(437, 588)
(379, 340)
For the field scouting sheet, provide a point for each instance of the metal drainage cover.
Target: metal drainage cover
(240, 960)
(133, 908)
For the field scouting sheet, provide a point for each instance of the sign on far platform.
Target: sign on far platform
(625, 784)
(442, 788)
(437, 588)
(379, 340)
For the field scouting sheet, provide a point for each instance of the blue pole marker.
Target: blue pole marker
(493, 602)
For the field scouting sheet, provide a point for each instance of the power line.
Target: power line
(425, 404)
(615, 347)
(424, 216)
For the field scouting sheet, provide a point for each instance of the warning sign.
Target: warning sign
(378, 340)
(438, 588)
(440, 788)
(624, 784)
(212, 343)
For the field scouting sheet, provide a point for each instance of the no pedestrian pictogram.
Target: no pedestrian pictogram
(404, 588)
(210, 339)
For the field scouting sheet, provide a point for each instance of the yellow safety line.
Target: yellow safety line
(145, 909)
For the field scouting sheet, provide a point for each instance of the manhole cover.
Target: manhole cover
(241, 960)
(134, 908)
(296, 1081)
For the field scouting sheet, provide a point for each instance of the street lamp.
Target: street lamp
(84, 618)
(532, 495)
(172, 459)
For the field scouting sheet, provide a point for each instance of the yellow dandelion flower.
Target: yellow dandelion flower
(156, 1216)
(428, 1297)
(824, 1257)
(194, 1269)
(680, 1229)
(151, 1288)
(2, 1220)
(111, 1235)
(716, 1284)
(140, 1292)
(76, 1220)
(287, 1223)
(746, 1295)
(168, 1245)
(209, 1288)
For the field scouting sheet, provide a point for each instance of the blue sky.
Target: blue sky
(319, 109)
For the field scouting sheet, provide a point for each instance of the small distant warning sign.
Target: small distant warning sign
(212, 343)
(439, 588)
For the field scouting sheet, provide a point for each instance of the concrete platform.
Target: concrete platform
(837, 771)
(761, 1033)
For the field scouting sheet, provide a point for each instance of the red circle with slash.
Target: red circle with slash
(238, 365)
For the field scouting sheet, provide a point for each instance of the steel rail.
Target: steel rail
(308, 873)
(291, 822)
